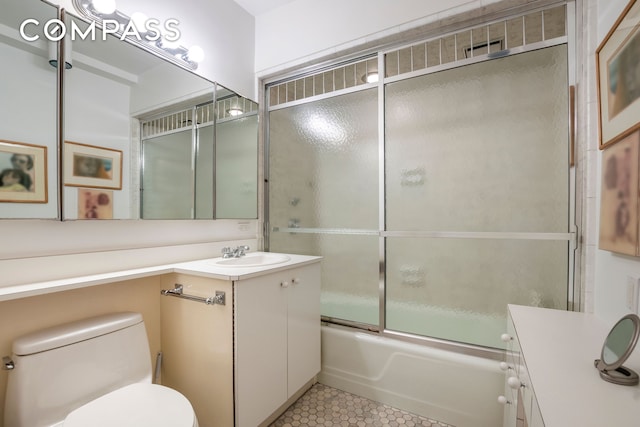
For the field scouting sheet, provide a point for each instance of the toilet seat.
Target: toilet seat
(136, 405)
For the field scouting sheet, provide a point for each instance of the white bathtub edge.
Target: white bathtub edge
(454, 388)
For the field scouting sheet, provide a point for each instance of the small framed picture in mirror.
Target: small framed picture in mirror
(91, 166)
(23, 172)
(95, 203)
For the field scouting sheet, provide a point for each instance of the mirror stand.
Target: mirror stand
(617, 348)
(620, 375)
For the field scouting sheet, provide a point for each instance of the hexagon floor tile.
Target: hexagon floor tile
(326, 406)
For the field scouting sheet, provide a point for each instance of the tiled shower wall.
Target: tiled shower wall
(587, 149)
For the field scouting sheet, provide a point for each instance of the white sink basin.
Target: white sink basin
(252, 260)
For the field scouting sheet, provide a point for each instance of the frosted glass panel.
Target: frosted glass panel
(323, 174)
(323, 160)
(167, 178)
(204, 173)
(458, 289)
(236, 168)
(480, 148)
(349, 272)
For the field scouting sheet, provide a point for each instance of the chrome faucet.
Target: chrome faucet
(227, 252)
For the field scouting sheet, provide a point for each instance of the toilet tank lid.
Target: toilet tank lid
(73, 332)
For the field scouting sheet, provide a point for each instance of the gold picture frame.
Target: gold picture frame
(90, 166)
(619, 221)
(618, 78)
(23, 172)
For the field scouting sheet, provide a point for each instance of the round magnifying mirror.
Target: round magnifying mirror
(617, 348)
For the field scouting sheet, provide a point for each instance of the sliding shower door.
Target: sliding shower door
(168, 176)
(477, 188)
(438, 194)
(323, 196)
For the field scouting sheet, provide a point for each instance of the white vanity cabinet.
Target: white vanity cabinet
(550, 378)
(518, 398)
(277, 339)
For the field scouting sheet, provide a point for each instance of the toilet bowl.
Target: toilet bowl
(135, 405)
(93, 372)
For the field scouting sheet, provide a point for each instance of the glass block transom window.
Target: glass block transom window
(480, 41)
(342, 77)
(227, 108)
(483, 40)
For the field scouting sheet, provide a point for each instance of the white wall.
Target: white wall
(308, 29)
(611, 270)
(30, 88)
(97, 113)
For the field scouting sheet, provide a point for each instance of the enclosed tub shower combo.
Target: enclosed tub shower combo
(436, 194)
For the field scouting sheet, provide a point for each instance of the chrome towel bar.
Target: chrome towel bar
(219, 298)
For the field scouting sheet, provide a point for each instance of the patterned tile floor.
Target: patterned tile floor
(326, 406)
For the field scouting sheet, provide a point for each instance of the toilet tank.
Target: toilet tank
(61, 368)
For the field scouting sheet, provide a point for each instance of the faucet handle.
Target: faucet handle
(226, 250)
(244, 247)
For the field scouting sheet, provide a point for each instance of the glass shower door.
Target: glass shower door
(323, 196)
(168, 176)
(477, 195)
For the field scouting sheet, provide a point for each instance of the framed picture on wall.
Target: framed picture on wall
(23, 172)
(618, 77)
(94, 203)
(92, 167)
(619, 196)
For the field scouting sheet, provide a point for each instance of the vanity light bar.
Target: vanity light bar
(173, 52)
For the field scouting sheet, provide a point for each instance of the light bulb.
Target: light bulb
(372, 77)
(106, 7)
(196, 54)
(139, 20)
(235, 111)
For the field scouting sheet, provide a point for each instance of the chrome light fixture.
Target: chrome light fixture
(371, 77)
(235, 111)
(104, 12)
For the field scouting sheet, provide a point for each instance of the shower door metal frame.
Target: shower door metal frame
(194, 128)
(571, 237)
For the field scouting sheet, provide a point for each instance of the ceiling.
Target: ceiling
(258, 7)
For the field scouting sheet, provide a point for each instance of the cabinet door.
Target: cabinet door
(303, 326)
(261, 347)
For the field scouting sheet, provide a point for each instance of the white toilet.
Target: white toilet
(95, 372)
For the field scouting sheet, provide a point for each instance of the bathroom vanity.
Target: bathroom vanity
(241, 358)
(550, 378)
(275, 314)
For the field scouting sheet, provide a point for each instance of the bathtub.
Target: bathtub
(454, 388)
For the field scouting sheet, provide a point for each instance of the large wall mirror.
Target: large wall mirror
(145, 138)
(199, 160)
(28, 130)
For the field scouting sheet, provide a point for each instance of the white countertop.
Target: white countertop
(559, 348)
(202, 268)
